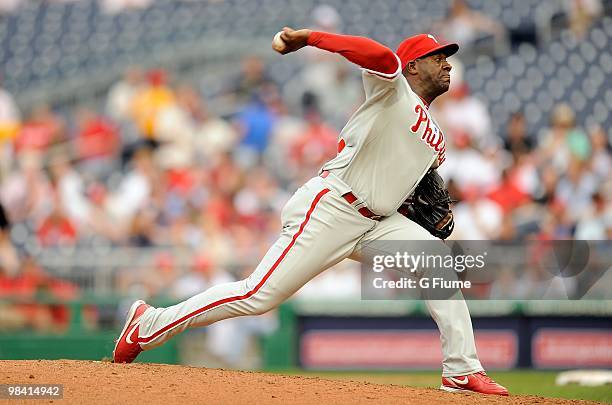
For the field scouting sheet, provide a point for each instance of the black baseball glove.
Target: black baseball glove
(429, 206)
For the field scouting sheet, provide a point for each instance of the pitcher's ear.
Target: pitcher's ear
(410, 68)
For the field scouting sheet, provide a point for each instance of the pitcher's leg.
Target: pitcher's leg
(309, 244)
(244, 297)
(451, 315)
(457, 336)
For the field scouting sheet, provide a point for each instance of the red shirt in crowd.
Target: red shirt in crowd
(97, 138)
(56, 230)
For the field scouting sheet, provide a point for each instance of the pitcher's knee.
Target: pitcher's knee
(265, 305)
(264, 301)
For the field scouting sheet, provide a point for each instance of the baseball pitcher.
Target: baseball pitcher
(382, 185)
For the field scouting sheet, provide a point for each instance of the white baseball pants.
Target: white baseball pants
(320, 229)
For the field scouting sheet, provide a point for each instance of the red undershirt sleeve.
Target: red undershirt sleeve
(362, 51)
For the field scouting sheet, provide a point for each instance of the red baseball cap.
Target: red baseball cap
(422, 45)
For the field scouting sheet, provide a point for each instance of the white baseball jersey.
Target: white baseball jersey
(388, 144)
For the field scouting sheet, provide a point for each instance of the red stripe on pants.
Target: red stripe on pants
(248, 294)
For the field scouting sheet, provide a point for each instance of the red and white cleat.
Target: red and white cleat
(127, 347)
(477, 382)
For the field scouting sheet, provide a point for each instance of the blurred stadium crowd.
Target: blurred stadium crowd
(161, 166)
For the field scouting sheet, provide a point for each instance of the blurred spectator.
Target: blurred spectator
(524, 173)
(554, 224)
(122, 93)
(582, 14)
(219, 211)
(96, 143)
(517, 140)
(259, 195)
(563, 140)
(150, 100)
(249, 82)
(226, 176)
(9, 260)
(217, 239)
(10, 118)
(546, 189)
(174, 127)
(135, 189)
(601, 153)
(508, 230)
(468, 167)
(595, 221)
(288, 127)
(576, 189)
(42, 129)
(142, 228)
(213, 136)
(33, 282)
(70, 191)
(56, 229)
(26, 190)
(462, 113)
(255, 121)
(476, 217)
(318, 141)
(509, 195)
(465, 26)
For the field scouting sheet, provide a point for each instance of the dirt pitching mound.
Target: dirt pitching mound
(106, 383)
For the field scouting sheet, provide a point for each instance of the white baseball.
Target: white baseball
(277, 43)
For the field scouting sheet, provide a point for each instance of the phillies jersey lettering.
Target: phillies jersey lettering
(432, 135)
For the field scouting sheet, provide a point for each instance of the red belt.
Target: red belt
(350, 198)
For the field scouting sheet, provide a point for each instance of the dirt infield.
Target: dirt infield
(106, 383)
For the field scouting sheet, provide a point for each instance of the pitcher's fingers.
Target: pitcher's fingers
(286, 33)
